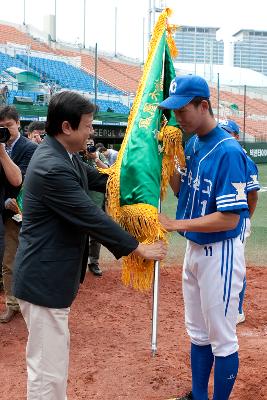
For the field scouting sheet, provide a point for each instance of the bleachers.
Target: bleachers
(9, 34)
(115, 77)
(256, 112)
(6, 62)
(107, 105)
(66, 75)
(122, 75)
(23, 93)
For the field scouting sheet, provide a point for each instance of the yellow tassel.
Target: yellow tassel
(173, 154)
(170, 40)
(141, 220)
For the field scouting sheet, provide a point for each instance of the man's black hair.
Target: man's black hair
(102, 149)
(9, 112)
(66, 106)
(198, 99)
(97, 145)
(36, 125)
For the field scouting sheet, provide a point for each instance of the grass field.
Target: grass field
(256, 247)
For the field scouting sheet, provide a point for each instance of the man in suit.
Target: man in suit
(51, 261)
(9, 175)
(20, 149)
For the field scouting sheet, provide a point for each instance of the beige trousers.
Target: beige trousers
(11, 244)
(47, 351)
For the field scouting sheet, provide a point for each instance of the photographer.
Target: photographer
(110, 154)
(20, 150)
(36, 131)
(9, 173)
(96, 160)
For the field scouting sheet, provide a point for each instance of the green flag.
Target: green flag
(147, 156)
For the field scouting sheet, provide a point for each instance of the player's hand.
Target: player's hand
(12, 205)
(167, 223)
(154, 251)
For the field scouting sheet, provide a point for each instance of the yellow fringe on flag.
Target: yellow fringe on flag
(173, 154)
(136, 271)
(146, 229)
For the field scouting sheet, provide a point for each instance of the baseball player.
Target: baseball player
(253, 186)
(210, 214)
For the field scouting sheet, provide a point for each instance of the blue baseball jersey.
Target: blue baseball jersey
(252, 179)
(214, 180)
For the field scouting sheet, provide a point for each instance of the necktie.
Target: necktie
(75, 163)
(8, 150)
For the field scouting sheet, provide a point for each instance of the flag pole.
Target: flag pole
(154, 333)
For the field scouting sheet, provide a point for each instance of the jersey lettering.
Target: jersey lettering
(204, 205)
(209, 186)
(189, 178)
(196, 183)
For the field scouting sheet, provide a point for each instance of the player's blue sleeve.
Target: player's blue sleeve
(252, 176)
(231, 186)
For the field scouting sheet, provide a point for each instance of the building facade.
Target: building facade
(250, 50)
(199, 45)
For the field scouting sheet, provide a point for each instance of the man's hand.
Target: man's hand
(155, 251)
(12, 205)
(11, 170)
(92, 156)
(2, 149)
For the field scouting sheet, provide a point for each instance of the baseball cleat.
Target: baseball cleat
(241, 318)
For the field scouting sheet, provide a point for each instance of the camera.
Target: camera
(91, 149)
(4, 134)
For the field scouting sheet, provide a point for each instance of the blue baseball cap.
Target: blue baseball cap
(230, 126)
(183, 89)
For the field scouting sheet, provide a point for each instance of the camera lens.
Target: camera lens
(91, 149)
(4, 134)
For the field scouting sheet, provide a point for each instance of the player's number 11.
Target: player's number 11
(208, 251)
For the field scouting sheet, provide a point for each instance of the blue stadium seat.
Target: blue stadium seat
(67, 75)
(63, 74)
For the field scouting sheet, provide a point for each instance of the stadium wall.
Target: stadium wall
(257, 151)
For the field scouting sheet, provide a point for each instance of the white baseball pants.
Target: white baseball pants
(212, 280)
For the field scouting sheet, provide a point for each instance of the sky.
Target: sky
(132, 19)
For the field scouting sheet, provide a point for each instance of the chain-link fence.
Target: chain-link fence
(247, 106)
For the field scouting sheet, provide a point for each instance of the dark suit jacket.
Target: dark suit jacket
(58, 215)
(21, 155)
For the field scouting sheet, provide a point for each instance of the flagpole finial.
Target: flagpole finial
(168, 11)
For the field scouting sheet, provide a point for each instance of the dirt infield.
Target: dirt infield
(110, 343)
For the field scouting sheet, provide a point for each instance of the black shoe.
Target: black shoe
(188, 396)
(8, 315)
(94, 268)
